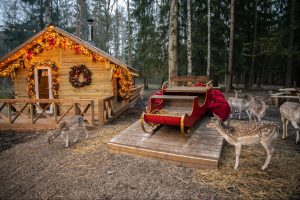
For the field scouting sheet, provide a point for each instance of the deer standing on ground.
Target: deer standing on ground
(290, 112)
(238, 104)
(262, 132)
(73, 125)
(258, 109)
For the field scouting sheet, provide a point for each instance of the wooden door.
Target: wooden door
(43, 85)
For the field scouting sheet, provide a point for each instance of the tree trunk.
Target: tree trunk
(189, 38)
(41, 15)
(173, 29)
(129, 34)
(208, 39)
(229, 70)
(117, 30)
(250, 80)
(48, 12)
(289, 69)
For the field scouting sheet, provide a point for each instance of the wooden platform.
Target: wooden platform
(201, 150)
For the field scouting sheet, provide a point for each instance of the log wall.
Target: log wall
(101, 86)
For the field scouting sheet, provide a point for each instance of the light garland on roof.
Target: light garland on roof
(50, 40)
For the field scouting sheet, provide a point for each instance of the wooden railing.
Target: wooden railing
(136, 93)
(42, 113)
(106, 110)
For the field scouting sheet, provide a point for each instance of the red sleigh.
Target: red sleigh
(181, 105)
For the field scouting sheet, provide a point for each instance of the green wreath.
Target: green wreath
(76, 72)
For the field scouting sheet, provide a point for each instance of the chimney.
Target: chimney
(90, 36)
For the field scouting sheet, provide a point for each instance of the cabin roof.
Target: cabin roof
(6, 59)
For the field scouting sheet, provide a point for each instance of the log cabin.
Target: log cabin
(54, 65)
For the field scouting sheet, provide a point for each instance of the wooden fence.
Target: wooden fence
(34, 113)
(106, 109)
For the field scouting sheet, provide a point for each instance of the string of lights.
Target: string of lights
(15, 28)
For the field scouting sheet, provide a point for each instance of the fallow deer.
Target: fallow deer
(247, 134)
(239, 104)
(73, 125)
(257, 108)
(290, 112)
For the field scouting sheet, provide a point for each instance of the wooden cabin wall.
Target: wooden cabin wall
(20, 84)
(101, 86)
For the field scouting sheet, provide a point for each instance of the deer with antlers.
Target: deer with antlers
(257, 109)
(262, 132)
(239, 104)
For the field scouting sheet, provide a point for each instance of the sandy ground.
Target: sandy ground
(30, 169)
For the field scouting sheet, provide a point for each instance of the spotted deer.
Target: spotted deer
(257, 109)
(247, 134)
(239, 104)
(290, 112)
(66, 128)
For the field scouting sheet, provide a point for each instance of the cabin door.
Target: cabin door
(43, 86)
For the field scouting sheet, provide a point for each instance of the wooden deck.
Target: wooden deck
(201, 150)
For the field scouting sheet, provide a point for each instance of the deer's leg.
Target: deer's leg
(269, 148)
(77, 133)
(66, 138)
(240, 111)
(248, 114)
(295, 125)
(284, 127)
(237, 155)
(86, 133)
(259, 118)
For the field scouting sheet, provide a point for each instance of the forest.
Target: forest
(245, 43)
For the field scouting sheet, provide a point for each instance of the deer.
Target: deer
(257, 109)
(261, 132)
(239, 104)
(290, 112)
(73, 125)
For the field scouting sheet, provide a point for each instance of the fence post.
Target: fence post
(101, 111)
(92, 112)
(77, 110)
(31, 111)
(55, 111)
(9, 113)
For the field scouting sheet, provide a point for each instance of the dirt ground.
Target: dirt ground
(30, 169)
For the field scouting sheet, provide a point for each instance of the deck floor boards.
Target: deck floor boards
(201, 150)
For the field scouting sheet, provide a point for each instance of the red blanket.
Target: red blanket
(218, 105)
